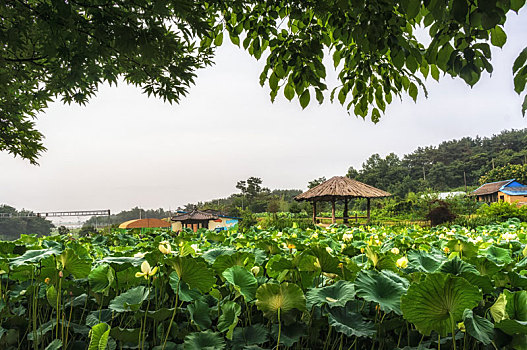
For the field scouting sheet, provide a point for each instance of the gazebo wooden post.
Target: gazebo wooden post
(314, 212)
(368, 206)
(333, 219)
(345, 210)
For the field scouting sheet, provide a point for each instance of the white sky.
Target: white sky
(124, 149)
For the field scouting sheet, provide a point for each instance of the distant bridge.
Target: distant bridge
(51, 214)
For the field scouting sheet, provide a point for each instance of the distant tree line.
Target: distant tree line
(448, 166)
(11, 228)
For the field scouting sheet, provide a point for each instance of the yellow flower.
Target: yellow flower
(165, 247)
(146, 270)
(402, 262)
(446, 250)
(291, 246)
(395, 250)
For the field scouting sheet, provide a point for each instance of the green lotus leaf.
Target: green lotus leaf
(99, 336)
(396, 278)
(483, 282)
(119, 263)
(337, 294)
(379, 288)
(54, 345)
(253, 335)
(516, 280)
(212, 254)
(242, 280)
(207, 340)
(157, 315)
(485, 266)
(465, 248)
(185, 292)
(346, 320)
(423, 261)
(478, 327)
(289, 334)
(193, 272)
(199, 314)
(101, 278)
(497, 310)
(498, 255)
(124, 334)
(33, 256)
(230, 311)
(326, 262)
(223, 262)
(72, 264)
(278, 264)
(512, 327)
(285, 297)
(51, 296)
(456, 266)
(516, 307)
(438, 302)
(130, 300)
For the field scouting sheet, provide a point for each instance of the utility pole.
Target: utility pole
(492, 163)
(465, 178)
(424, 174)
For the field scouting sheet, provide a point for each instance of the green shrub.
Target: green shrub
(501, 211)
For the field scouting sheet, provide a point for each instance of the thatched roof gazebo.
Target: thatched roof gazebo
(340, 188)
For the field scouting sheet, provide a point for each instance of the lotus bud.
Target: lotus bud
(255, 270)
(61, 274)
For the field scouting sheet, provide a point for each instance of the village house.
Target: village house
(510, 191)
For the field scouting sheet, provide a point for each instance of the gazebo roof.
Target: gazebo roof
(194, 215)
(339, 187)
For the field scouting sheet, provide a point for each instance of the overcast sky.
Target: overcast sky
(124, 149)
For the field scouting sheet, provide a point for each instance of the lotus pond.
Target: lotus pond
(335, 288)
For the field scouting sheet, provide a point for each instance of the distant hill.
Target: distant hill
(443, 167)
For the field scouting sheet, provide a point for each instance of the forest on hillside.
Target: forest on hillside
(450, 165)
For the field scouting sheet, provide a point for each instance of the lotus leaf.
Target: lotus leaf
(423, 261)
(130, 300)
(194, 273)
(207, 340)
(252, 335)
(229, 317)
(72, 264)
(33, 256)
(242, 280)
(289, 334)
(335, 295)
(285, 297)
(379, 288)
(346, 320)
(199, 314)
(438, 303)
(456, 266)
(99, 336)
(478, 327)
